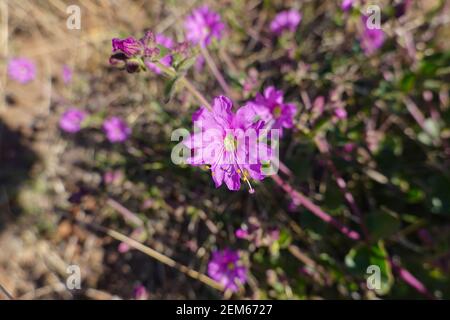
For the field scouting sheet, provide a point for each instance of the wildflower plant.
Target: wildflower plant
(329, 116)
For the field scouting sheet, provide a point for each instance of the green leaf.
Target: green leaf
(408, 82)
(163, 51)
(185, 64)
(382, 224)
(363, 260)
(169, 89)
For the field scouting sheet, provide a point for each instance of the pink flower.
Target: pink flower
(129, 46)
(226, 268)
(116, 129)
(241, 233)
(140, 292)
(111, 177)
(203, 25)
(123, 247)
(272, 109)
(371, 39)
(67, 74)
(340, 113)
(349, 147)
(346, 5)
(285, 20)
(229, 143)
(22, 70)
(71, 120)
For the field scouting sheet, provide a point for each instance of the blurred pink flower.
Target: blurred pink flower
(271, 108)
(67, 74)
(241, 233)
(340, 113)
(112, 176)
(371, 39)
(349, 147)
(22, 70)
(203, 25)
(140, 292)
(123, 247)
(116, 129)
(226, 268)
(285, 20)
(71, 120)
(346, 5)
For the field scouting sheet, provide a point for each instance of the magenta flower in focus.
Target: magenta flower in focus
(285, 20)
(203, 25)
(229, 143)
(166, 60)
(371, 39)
(225, 267)
(346, 5)
(67, 74)
(22, 70)
(116, 129)
(272, 109)
(71, 120)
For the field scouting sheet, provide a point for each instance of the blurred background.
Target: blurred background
(375, 127)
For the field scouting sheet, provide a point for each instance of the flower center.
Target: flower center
(230, 266)
(230, 143)
(276, 112)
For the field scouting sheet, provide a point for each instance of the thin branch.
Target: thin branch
(156, 255)
(211, 64)
(126, 213)
(411, 280)
(6, 293)
(324, 148)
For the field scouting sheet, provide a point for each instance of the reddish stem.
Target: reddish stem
(411, 280)
(317, 211)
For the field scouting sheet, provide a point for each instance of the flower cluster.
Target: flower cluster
(22, 70)
(134, 53)
(203, 25)
(226, 268)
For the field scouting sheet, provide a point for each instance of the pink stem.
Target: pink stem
(411, 280)
(305, 202)
(324, 148)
